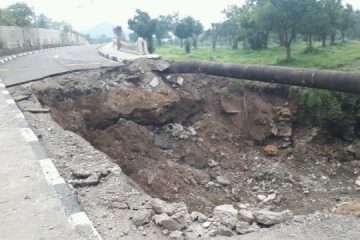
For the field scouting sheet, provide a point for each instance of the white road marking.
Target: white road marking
(81, 218)
(51, 174)
(5, 92)
(28, 135)
(18, 114)
(10, 101)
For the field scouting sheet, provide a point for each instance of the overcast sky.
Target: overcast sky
(84, 14)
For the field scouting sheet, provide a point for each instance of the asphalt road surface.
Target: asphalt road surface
(43, 64)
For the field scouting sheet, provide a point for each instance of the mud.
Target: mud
(121, 114)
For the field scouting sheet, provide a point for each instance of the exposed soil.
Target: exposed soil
(219, 156)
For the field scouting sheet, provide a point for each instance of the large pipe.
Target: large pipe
(312, 78)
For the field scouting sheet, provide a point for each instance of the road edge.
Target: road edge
(75, 214)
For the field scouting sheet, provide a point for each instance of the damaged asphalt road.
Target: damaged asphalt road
(218, 152)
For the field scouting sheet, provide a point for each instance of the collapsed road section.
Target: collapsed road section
(203, 156)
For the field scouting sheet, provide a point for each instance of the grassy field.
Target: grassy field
(344, 56)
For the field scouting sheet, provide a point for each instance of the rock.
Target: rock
(167, 222)
(228, 107)
(223, 180)
(212, 163)
(154, 82)
(195, 158)
(269, 218)
(198, 216)
(162, 141)
(80, 174)
(357, 182)
(355, 149)
(270, 197)
(92, 180)
(159, 206)
(225, 210)
(271, 150)
(180, 81)
(225, 231)
(261, 197)
(244, 228)
(245, 216)
(177, 235)
(284, 112)
(227, 215)
(284, 130)
(206, 225)
(142, 217)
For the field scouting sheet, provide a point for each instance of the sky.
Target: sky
(84, 14)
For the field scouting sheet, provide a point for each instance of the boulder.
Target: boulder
(142, 217)
(269, 218)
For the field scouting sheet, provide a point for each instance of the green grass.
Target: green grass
(344, 56)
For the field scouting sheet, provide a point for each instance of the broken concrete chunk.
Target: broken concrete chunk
(92, 180)
(160, 207)
(223, 180)
(167, 222)
(80, 174)
(154, 82)
(357, 182)
(198, 216)
(225, 231)
(244, 228)
(225, 210)
(142, 217)
(245, 216)
(177, 235)
(269, 218)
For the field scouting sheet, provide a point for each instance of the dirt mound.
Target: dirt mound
(201, 139)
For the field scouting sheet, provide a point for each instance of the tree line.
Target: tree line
(22, 15)
(256, 24)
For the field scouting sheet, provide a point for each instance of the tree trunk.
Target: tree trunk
(159, 42)
(333, 36)
(288, 52)
(322, 79)
(324, 40)
(235, 44)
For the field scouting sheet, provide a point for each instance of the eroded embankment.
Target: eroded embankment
(203, 140)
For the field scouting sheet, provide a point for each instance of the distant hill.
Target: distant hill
(97, 31)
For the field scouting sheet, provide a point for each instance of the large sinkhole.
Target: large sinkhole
(203, 140)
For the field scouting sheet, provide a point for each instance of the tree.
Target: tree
(42, 21)
(144, 26)
(186, 29)
(6, 19)
(231, 26)
(315, 22)
(287, 16)
(346, 20)
(332, 8)
(118, 32)
(22, 13)
(164, 24)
